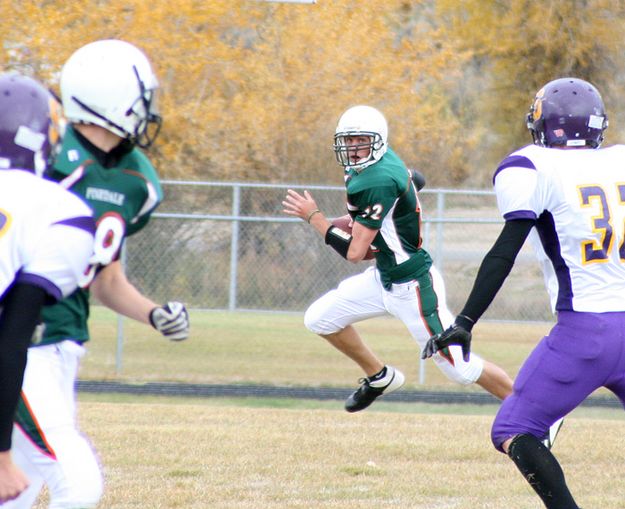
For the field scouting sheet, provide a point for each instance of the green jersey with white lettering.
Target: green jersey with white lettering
(382, 197)
(123, 191)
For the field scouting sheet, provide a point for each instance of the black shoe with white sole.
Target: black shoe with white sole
(370, 390)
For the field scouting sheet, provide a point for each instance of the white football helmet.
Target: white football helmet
(110, 83)
(361, 121)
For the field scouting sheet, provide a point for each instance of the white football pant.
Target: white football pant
(54, 452)
(362, 296)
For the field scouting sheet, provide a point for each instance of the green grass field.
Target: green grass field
(252, 454)
(277, 349)
(259, 453)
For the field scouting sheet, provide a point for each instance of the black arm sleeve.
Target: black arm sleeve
(496, 266)
(20, 315)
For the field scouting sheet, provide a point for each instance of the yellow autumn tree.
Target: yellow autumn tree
(515, 47)
(252, 90)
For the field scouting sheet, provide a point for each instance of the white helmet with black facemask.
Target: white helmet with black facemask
(357, 122)
(110, 83)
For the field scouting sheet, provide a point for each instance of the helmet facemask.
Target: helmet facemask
(149, 121)
(344, 149)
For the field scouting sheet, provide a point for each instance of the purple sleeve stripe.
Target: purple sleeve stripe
(83, 222)
(519, 214)
(514, 161)
(551, 244)
(35, 280)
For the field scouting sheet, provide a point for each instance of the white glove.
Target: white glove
(171, 320)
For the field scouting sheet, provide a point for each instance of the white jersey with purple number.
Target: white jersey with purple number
(577, 197)
(46, 234)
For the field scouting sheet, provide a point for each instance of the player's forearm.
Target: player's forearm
(113, 290)
(362, 237)
(128, 301)
(495, 267)
(319, 222)
(490, 278)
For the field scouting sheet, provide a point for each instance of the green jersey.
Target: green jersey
(382, 197)
(123, 195)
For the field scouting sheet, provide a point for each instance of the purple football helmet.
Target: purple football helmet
(30, 124)
(567, 112)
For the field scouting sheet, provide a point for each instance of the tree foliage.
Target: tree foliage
(252, 90)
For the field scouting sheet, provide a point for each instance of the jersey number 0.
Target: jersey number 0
(109, 235)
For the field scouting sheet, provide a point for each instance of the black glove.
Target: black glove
(417, 177)
(171, 320)
(457, 334)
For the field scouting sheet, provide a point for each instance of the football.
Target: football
(344, 223)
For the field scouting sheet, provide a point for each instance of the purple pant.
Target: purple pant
(583, 352)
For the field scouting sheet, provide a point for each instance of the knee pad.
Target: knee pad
(315, 317)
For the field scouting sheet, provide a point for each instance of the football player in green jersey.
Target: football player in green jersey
(383, 203)
(107, 90)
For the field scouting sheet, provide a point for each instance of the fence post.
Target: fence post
(120, 322)
(440, 213)
(234, 249)
(425, 238)
(438, 256)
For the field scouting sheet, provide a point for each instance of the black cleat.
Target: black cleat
(369, 391)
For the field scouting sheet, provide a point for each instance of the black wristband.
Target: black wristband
(151, 317)
(338, 240)
(465, 322)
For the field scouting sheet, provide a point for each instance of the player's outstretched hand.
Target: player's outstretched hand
(300, 205)
(171, 320)
(454, 335)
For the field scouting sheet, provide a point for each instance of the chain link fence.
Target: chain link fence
(228, 246)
